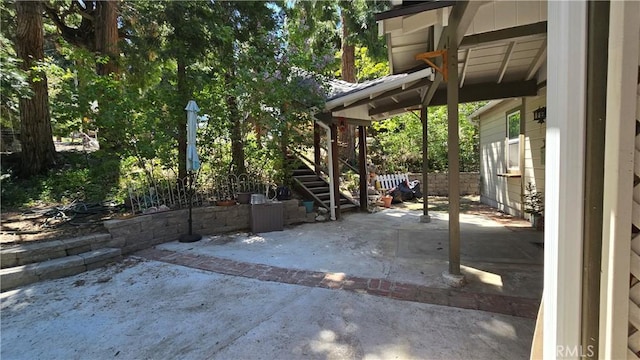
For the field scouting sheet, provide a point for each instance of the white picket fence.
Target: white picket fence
(389, 181)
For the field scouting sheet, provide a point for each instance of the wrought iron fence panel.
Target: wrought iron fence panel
(151, 195)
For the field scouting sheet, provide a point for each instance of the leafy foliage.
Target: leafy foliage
(533, 200)
(13, 81)
(84, 177)
(253, 68)
(398, 141)
(315, 28)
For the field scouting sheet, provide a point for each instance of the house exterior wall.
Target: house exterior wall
(502, 192)
(497, 15)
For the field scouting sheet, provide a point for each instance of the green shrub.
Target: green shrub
(91, 177)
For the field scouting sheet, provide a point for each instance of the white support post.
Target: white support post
(622, 93)
(332, 195)
(567, 29)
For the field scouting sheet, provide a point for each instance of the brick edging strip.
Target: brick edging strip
(501, 304)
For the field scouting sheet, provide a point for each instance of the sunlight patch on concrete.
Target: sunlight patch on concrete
(479, 220)
(392, 351)
(483, 276)
(394, 214)
(254, 239)
(329, 343)
(335, 276)
(499, 328)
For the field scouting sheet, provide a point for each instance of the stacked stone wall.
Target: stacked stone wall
(438, 183)
(145, 231)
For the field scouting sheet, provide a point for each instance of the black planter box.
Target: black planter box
(267, 217)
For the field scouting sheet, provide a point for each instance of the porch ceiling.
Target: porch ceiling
(500, 56)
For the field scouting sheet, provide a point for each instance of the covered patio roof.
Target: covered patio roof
(502, 54)
(353, 101)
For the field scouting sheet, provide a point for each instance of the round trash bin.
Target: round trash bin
(258, 199)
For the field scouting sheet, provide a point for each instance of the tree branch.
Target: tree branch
(80, 37)
(85, 14)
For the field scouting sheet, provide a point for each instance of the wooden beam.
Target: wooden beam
(524, 31)
(316, 147)
(349, 121)
(465, 66)
(540, 58)
(459, 20)
(410, 47)
(453, 153)
(324, 117)
(505, 61)
(424, 116)
(362, 162)
(469, 93)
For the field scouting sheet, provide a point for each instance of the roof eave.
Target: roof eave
(405, 10)
(366, 92)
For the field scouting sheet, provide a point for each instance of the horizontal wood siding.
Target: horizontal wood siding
(496, 190)
(534, 144)
(502, 192)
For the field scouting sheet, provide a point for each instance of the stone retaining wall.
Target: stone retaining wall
(438, 183)
(145, 231)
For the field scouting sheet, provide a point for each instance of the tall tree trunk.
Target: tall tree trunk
(348, 70)
(106, 36)
(105, 28)
(181, 117)
(38, 151)
(348, 65)
(237, 145)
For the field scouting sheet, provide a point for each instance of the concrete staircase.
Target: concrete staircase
(28, 263)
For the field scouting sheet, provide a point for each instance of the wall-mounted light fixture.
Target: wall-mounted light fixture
(540, 114)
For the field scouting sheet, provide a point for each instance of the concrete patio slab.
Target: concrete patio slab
(153, 310)
(365, 287)
(395, 245)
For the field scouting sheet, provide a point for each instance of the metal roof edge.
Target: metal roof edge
(384, 86)
(490, 105)
(404, 10)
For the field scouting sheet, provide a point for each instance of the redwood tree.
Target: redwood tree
(106, 36)
(96, 32)
(38, 151)
(347, 24)
(348, 72)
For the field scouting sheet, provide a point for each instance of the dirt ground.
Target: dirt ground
(51, 221)
(42, 224)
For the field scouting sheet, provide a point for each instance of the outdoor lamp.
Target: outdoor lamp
(540, 114)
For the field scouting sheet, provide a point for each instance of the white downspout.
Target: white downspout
(332, 195)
